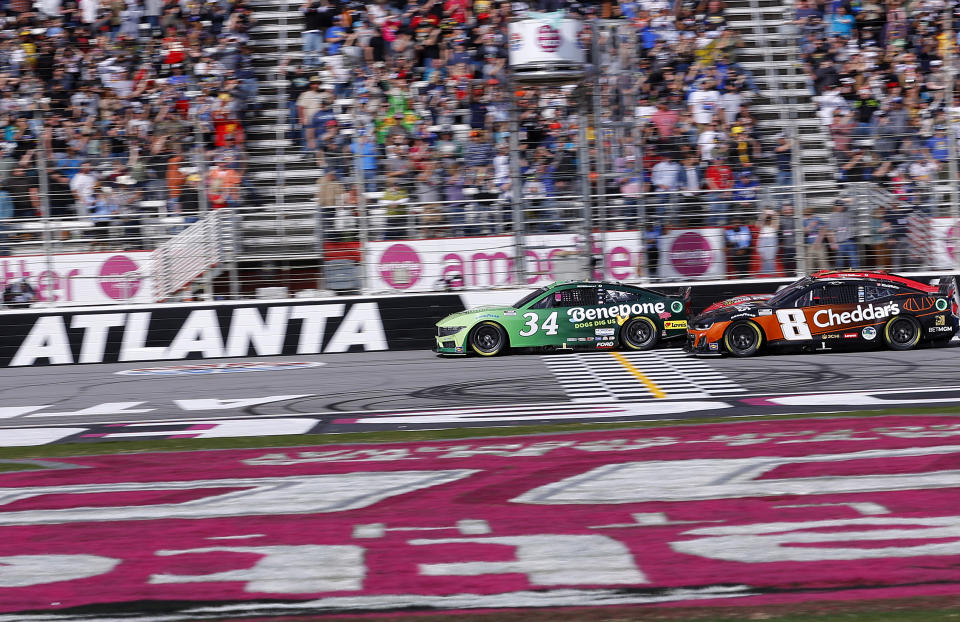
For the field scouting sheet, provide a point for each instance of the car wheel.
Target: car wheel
(640, 333)
(742, 338)
(488, 339)
(902, 332)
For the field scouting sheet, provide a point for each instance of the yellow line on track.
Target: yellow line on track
(650, 384)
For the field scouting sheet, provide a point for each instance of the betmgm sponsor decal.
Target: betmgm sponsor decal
(828, 317)
(182, 333)
(579, 314)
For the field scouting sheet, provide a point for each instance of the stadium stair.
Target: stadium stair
(784, 103)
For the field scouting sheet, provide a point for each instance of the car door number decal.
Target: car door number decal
(793, 324)
(549, 325)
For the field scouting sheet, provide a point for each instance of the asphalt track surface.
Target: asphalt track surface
(421, 383)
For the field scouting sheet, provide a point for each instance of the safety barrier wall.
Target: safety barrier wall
(197, 331)
(211, 331)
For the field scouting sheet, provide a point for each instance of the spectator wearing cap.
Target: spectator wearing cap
(308, 104)
(783, 156)
(478, 155)
(815, 237)
(739, 239)
(885, 137)
(335, 35)
(840, 233)
(864, 107)
(938, 145)
(704, 102)
(364, 149)
(745, 187)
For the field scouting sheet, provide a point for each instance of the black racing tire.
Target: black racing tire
(639, 333)
(743, 338)
(902, 332)
(488, 339)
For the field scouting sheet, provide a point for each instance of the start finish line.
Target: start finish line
(761, 512)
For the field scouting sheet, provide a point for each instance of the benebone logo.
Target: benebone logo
(828, 317)
(579, 314)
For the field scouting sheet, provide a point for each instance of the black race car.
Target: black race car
(831, 308)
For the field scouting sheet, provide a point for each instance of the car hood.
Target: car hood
(733, 311)
(738, 300)
(477, 313)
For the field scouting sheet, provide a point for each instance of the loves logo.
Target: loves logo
(775, 508)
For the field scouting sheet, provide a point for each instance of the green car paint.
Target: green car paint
(591, 315)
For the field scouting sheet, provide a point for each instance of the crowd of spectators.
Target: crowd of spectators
(106, 99)
(408, 104)
(405, 105)
(877, 69)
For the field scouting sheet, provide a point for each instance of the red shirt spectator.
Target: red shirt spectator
(719, 176)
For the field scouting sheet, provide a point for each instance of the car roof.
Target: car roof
(560, 283)
(873, 275)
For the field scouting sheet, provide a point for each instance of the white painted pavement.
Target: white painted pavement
(594, 376)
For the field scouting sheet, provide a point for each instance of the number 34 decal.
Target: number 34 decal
(549, 326)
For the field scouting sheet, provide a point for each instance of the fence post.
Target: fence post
(200, 159)
(601, 158)
(952, 137)
(363, 229)
(44, 191)
(516, 191)
(799, 204)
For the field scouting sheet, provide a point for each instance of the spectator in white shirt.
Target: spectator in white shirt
(665, 177)
(730, 102)
(703, 102)
(82, 186)
(708, 140)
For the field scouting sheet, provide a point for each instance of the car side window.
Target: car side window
(841, 294)
(575, 297)
(807, 298)
(876, 292)
(544, 303)
(617, 296)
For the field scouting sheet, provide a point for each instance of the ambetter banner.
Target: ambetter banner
(418, 265)
(83, 278)
(692, 254)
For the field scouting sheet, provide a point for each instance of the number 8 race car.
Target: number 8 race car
(831, 308)
(566, 315)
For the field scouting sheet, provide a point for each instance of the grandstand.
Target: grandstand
(744, 113)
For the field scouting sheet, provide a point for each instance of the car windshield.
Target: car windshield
(787, 291)
(529, 297)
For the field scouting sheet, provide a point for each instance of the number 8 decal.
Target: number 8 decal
(793, 324)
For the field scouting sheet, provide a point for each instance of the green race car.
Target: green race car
(591, 315)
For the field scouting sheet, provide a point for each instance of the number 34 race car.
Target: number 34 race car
(828, 309)
(573, 314)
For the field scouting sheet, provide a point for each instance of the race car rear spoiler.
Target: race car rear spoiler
(949, 289)
(685, 295)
